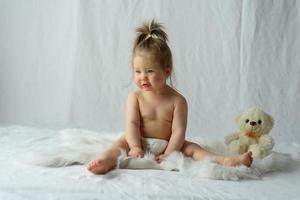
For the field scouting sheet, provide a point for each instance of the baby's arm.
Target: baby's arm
(132, 130)
(179, 123)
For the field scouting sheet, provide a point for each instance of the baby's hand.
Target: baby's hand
(136, 152)
(160, 157)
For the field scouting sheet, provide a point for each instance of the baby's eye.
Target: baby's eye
(259, 121)
(137, 71)
(247, 120)
(150, 71)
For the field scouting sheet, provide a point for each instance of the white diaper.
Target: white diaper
(152, 147)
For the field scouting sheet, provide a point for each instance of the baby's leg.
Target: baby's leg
(196, 152)
(108, 159)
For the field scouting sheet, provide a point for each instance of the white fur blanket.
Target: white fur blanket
(77, 146)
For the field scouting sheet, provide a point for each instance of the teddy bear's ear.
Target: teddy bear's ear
(269, 123)
(271, 120)
(238, 117)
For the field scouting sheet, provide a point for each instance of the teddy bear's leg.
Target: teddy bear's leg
(237, 147)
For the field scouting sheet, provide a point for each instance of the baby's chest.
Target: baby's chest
(156, 111)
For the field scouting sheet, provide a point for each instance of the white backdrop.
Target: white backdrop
(67, 63)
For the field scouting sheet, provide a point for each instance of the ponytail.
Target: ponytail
(151, 38)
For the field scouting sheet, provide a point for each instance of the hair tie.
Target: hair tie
(151, 35)
(148, 36)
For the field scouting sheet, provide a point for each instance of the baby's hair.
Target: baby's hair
(152, 39)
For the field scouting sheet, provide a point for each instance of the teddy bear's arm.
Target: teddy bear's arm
(266, 142)
(229, 138)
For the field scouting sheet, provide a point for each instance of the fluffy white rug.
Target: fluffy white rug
(76, 146)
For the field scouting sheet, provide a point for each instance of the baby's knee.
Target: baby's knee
(121, 143)
(189, 148)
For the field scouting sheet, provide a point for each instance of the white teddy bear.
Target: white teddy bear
(254, 125)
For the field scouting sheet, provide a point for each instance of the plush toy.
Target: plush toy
(254, 125)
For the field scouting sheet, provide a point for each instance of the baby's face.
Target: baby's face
(149, 75)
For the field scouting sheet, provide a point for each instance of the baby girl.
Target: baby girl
(156, 110)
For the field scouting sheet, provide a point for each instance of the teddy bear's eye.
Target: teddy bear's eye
(259, 121)
(247, 120)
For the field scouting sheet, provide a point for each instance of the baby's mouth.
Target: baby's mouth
(145, 85)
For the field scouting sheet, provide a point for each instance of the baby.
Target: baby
(156, 110)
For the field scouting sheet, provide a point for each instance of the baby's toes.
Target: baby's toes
(92, 165)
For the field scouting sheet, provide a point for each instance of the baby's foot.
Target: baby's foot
(101, 166)
(244, 159)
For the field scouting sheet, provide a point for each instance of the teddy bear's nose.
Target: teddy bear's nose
(252, 123)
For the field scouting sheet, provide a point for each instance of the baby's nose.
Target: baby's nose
(144, 76)
(252, 123)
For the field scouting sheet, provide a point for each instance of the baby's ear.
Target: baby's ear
(168, 71)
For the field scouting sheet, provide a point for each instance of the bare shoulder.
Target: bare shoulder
(179, 99)
(132, 94)
(132, 97)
